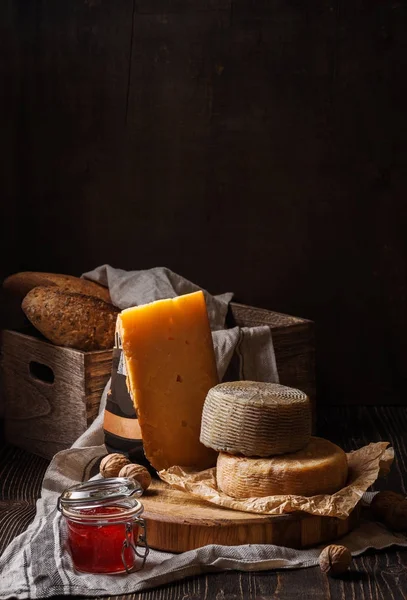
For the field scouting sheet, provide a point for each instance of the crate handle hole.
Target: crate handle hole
(41, 372)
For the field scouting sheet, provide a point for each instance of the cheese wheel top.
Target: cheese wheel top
(260, 393)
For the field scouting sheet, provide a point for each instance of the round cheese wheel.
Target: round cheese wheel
(319, 468)
(255, 419)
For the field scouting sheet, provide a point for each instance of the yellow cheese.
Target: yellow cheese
(319, 468)
(170, 364)
(255, 419)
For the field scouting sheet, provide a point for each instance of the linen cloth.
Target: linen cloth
(37, 564)
(253, 346)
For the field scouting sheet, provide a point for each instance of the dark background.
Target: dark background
(252, 146)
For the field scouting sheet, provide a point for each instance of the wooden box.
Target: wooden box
(52, 394)
(293, 341)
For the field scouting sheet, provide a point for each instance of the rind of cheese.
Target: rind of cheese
(319, 468)
(170, 363)
(256, 419)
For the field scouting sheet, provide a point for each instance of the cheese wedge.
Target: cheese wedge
(170, 363)
(255, 418)
(319, 468)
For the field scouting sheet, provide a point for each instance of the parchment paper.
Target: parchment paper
(365, 465)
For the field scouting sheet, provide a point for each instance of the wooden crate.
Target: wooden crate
(51, 393)
(294, 345)
(45, 416)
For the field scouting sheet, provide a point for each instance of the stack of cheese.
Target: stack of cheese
(262, 432)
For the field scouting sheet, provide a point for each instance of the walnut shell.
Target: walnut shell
(383, 502)
(335, 560)
(137, 472)
(395, 517)
(112, 463)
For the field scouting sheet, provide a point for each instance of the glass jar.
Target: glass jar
(105, 531)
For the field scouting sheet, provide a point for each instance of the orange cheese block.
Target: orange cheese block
(170, 363)
(320, 467)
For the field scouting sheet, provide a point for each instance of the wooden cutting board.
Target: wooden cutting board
(177, 522)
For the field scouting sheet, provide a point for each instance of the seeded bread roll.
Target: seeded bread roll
(68, 319)
(20, 284)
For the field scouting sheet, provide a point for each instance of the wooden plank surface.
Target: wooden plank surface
(177, 522)
(375, 575)
(45, 386)
(294, 346)
(253, 146)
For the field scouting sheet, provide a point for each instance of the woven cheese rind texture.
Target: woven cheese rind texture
(256, 419)
(319, 468)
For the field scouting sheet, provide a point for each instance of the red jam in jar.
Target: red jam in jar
(105, 531)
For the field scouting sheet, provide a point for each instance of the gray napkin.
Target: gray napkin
(37, 564)
(252, 346)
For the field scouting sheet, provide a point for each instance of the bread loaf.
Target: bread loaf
(20, 284)
(68, 319)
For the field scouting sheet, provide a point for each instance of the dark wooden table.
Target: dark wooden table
(375, 575)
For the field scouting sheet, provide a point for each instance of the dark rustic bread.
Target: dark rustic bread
(20, 284)
(68, 319)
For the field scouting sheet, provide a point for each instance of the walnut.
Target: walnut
(395, 517)
(137, 472)
(335, 560)
(383, 502)
(390, 508)
(112, 463)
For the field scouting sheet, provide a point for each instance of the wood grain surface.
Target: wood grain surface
(374, 576)
(253, 146)
(293, 341)
(51, 393)
(177, 522)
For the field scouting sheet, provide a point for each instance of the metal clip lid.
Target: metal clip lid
(99, 492)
